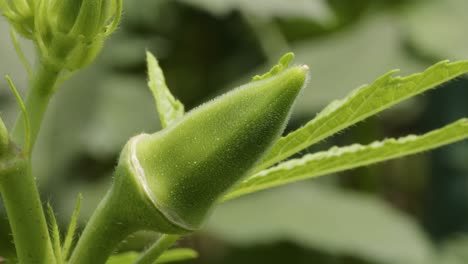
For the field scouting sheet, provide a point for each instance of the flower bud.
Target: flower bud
(184, 170)
(20, 14)
(72, 32)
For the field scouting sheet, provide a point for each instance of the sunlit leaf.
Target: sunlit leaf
(169, 108)
(123, 258)
(355, 55)
(4, 138)
(71, 229)
(283, 64)
(54, 234)
(177, 255)
(363, 102)
(172, 255)
(344, 158)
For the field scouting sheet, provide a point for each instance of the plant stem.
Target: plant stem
(157, 249)
(17, 184)
(102, 234)
(25, 213)
(42, 89)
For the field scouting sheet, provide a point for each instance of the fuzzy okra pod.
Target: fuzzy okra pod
(186, 168)
(170, 180)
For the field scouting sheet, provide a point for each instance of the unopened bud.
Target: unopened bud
(71, 33)
(20, 14)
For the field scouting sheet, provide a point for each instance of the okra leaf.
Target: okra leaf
(172, 255)
(283, 64)
(179, 254)
(169, 108)
(4, 139)
(71, 229)
(55, 234)
(123, 258)
(361, 103)
(349, 157)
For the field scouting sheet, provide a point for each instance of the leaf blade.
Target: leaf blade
(361, 103)
(4, 138)
(179, 254)
(55, 234)
(168, 256)
(349, 157)
(71, 229)
(169, 108)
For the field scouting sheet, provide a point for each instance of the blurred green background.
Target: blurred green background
(407, 211)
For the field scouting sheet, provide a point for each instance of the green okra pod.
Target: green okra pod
(170, 180)
(187, 167)
(183, 170)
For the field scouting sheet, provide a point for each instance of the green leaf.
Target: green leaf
(25, 116)
(71, 229)
(4, 138)
(324, 218)
(347, 54)
(55, 234)
(159, 247)
(363, 102)
(282, 65)
(172, 255)
(169, 108)
(340, 159)
(123, 258)
(179, 254)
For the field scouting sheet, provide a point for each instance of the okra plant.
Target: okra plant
(169, 181)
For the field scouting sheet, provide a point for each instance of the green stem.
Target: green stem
(42, 89)
(17, 184)
(157, 249)
(104, 231)
(25, 213)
